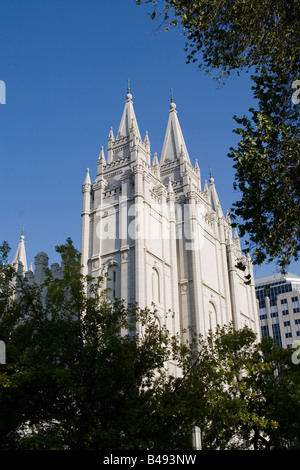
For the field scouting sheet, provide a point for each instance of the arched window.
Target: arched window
(155, 286)
(212, 316)
(113, 282)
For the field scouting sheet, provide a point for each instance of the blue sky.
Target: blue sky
(65, 64)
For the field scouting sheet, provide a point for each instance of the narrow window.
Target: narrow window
(212, 316)
(114, 284)
(155, 286)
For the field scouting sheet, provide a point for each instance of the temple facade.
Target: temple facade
(159, 236)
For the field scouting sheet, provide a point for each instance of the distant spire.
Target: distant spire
(20, 256)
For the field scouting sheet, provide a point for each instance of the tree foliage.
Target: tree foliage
(260, 37)
(225, 36)
(84, 372)
(268, 173)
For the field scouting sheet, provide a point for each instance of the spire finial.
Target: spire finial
(22, 233)
(172, 104)
(129, 95)
(211, 179)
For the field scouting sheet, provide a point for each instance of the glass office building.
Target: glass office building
(278, 299)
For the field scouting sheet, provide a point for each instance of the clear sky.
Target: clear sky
(65, 64)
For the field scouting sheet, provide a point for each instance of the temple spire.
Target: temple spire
(128, 121)
(215, 202)
(20, 256)
(174, 144)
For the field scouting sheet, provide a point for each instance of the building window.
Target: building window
(276, 334)
(295, 304)
(113, 282)
(155, 286)
(287, 323)
(273, 311)
(288, 335)
(263, 313)
(265, 331)
(285, 308)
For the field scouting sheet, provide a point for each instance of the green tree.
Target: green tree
(251, 389)
(281, 391)
(72, 380)
(268, 173)
(227, 36)
(84, 372)
(262, 38)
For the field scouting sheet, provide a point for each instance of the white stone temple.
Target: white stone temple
(160, 237)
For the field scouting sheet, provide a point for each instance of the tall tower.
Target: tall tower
(159, 237)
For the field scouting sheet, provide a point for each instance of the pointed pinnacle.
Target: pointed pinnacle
(87, 177)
